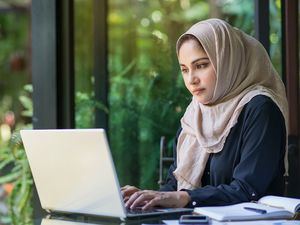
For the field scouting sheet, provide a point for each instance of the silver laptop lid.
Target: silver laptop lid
(73, 171)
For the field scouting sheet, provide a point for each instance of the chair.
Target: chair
(292, 182)
(165, 160)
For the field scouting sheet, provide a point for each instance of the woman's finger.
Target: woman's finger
(125, 199)
(132, 198)
(128, 190)
(152, 203)
(142, 198)
(124, 187)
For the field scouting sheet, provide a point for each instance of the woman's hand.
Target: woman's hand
(148, 199)
(127, 191)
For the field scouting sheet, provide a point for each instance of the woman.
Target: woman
(232, 143)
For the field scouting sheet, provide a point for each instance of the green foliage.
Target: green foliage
(85, 109)
(239, 13)
(19, 201)
(14, 73)
(147, 97)
(14, 39)
(26, 102)
(15, 170)
(275, 35)
(83, 47)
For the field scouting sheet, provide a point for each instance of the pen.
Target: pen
(261, 211)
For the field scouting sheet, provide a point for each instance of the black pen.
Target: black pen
(261, 211)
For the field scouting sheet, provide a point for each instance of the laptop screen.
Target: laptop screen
(73, 171)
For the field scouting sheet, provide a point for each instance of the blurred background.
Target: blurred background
(146, 94)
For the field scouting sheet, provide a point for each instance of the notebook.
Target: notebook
(268, 207)
(73, 171)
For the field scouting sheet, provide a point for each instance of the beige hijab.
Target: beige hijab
(243, 71)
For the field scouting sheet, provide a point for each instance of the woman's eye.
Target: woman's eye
(201, 66)
(184, 70)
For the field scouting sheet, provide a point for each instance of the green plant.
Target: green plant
(85, 109)
(15, 170)
(20, 210)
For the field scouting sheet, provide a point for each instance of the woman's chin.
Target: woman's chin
(202, 100)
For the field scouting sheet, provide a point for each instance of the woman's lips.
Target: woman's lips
(198, 91)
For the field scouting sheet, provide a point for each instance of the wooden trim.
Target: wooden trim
(290, 69)
(292, 63)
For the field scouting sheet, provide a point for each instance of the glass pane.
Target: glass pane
(275, 35)
(83, 51)
(147, 96)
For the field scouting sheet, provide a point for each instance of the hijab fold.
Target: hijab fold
(243, 71)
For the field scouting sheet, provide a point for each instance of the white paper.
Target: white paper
(254, 222)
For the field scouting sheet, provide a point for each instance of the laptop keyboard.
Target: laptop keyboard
(156, 211)
(140, 211)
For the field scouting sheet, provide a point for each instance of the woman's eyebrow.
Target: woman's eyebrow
(196, 60)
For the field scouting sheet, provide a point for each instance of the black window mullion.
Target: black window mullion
(262, 23)
(100, 70)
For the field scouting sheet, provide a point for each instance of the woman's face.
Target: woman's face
(198, 73)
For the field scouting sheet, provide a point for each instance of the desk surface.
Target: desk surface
(80, 220)
(83, 220)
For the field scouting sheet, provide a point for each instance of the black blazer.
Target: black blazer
(251, 163)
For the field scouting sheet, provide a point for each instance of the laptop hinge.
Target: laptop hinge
(48, 211)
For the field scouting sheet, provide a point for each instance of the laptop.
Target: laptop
(73, 171)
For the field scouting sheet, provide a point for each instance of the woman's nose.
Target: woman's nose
(192, 78)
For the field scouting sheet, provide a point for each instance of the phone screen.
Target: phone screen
(193, 219)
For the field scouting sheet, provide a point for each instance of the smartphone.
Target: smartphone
(193, 219)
